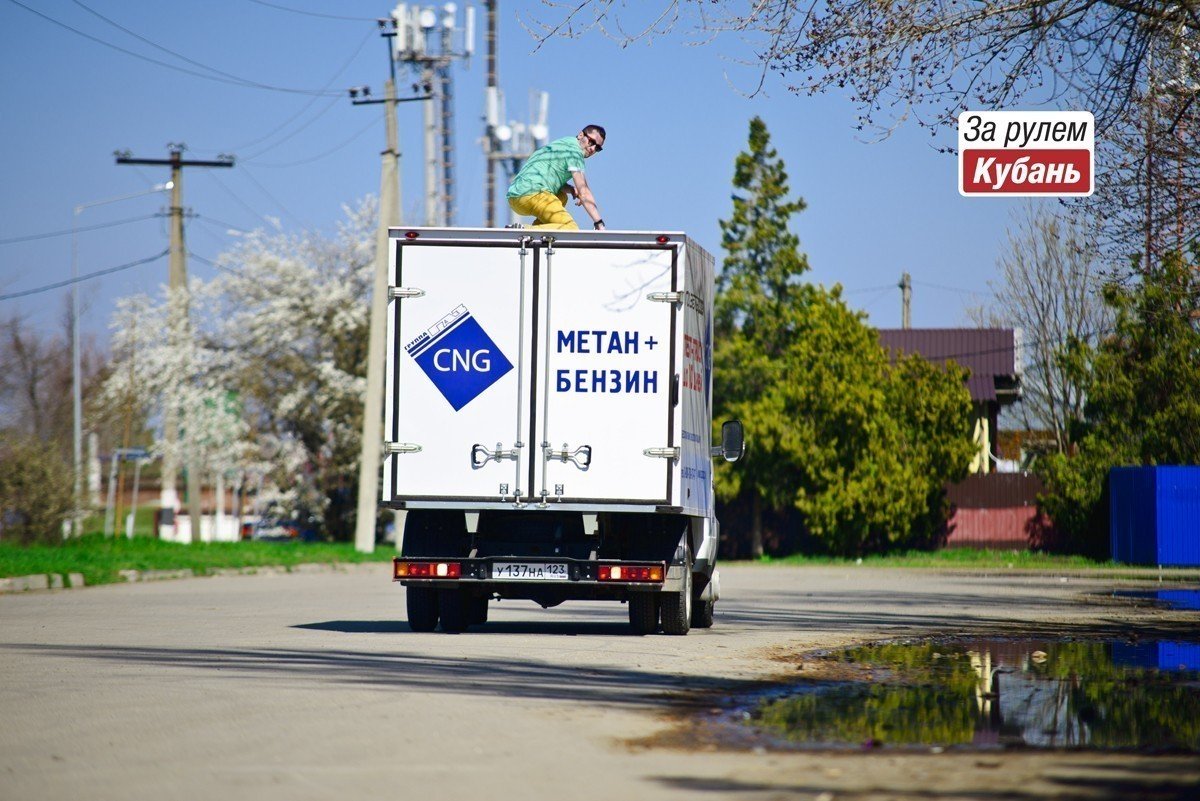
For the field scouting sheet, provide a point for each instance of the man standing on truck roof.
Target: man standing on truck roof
(541, 187)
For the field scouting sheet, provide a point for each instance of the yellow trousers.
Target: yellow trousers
(547, 210)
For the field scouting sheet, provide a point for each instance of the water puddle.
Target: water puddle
(1172, 599)
(991, 694)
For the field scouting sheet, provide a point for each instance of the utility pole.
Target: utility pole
(76, 364)
(389, 215)
(446, 121)
(905, 300)
(177, 283)
(491, 103)
(431, 155)
(506, 145)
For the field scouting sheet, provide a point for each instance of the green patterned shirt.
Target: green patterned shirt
(549, 169)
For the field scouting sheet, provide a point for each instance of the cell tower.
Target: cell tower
(430, 43)
(506, 145)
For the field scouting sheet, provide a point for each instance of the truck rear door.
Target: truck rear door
(604, 392)
(457, 423)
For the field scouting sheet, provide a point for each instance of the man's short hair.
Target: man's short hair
(598, 129)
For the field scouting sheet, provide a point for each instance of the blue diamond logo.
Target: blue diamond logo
(459, 357)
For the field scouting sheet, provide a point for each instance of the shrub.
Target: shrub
(35, 490)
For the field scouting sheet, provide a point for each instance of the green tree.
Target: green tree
(1142, 384)
(757, 284)
(860, 447)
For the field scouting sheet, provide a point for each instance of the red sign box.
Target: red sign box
(1023, 171)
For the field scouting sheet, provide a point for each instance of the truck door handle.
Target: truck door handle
(581, 457)
(481, 455)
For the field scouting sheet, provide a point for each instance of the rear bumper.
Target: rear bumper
(583, 576)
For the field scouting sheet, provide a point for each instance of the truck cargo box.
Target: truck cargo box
(548, 415)
(573, 371)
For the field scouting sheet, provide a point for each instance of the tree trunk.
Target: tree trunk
(756, 533)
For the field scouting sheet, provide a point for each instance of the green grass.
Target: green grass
(143, 522)
(971, 558)
(100, 558)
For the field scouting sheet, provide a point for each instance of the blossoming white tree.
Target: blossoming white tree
(284, 327)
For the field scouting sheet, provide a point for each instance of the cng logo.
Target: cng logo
(459, 357)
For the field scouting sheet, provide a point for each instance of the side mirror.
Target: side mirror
(733, 441)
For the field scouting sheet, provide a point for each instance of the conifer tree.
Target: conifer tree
(861, 448)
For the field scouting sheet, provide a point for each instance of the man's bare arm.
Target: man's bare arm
(585, 198)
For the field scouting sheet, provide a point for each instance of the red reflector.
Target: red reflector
(427, 570)
(663, 239)
(411, 235)
(630, 573)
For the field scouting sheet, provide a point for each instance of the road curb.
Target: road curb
(11, 585)
(41, 581)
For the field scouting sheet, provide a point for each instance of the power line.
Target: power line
(65, 231)
(876, 297)
(236, 81)
(276, 200)
(312, 13)
(320, 156)
(208, 218)
(952, 288)
(862, 290)
(309, 103)
(86, 277)
(154, 44)
(269, 147)
(214, 264)
(241, 202)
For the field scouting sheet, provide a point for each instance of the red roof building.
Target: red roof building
(993, 357)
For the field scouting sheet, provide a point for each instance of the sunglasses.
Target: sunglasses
(594, 143)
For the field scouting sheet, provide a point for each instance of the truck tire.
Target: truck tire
(643, 612)
(455, 611)
(479, 610)
(702, 613)
(677, 606)
(422, 608)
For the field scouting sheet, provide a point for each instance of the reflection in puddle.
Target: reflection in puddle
(999, 693)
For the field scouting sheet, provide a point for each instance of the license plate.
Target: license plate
(529, 571)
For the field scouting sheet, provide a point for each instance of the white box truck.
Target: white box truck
(548, 417)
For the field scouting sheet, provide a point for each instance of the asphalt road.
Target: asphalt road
(311, 686)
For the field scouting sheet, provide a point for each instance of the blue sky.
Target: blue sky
(676, 115)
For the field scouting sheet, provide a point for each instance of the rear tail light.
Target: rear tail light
(402, 568)
(631, 573)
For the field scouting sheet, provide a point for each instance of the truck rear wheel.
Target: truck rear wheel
(677, 606)
(422, 608)
(643, 612)
(479, 610)
(702, 614)
(455, 611)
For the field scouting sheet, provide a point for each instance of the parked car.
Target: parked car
(272, 527)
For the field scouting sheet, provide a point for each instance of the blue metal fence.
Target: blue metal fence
(1155, 515)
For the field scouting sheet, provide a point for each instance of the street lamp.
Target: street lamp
(76, 380)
